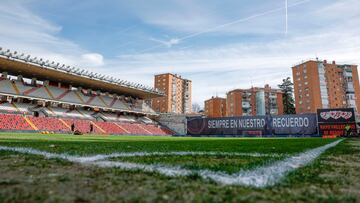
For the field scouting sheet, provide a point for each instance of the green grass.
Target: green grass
(81, 145)
(229, 164)
(334, 177)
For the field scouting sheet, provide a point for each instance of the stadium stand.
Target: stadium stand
(6, 107)
(23, 107)
(146, 120)
(49, 124)
(156, 130)
(111, 128)
(6, 86)
(37, 95)
(135, 129)
(14, 122)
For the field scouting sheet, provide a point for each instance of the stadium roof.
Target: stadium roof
(21, 64)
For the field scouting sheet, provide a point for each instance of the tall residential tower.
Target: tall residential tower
(254, 101)
(178, 94)
(215, 107)
(319, 84)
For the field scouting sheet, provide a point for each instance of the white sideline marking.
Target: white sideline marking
(142, 154)
(259, 177)
(271, 174)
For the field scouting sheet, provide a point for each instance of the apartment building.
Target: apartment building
(319, 84)
(254, 101)
(178, 94)
(215, 107)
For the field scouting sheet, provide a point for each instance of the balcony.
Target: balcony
(347, 74)
(245, 105)
(350, 87)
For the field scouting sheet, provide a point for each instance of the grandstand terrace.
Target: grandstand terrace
(39, 95)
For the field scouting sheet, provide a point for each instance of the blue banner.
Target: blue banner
(304, 124)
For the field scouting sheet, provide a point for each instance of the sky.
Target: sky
(219, 45)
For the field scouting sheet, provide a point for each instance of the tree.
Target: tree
(196, 107)
(287, 88)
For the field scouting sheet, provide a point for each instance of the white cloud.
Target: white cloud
(23, 31)
(217, 70)
(93, 59)
(180, 15)
(213, 70)
(229, 17)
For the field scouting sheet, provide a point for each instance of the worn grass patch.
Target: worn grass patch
(333, 177)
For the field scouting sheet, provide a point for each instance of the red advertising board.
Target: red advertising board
(337, 129)
(337, 122)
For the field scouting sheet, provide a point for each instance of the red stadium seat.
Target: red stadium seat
(18, 122)
(49, 124)
(13, 122)
(111, 128)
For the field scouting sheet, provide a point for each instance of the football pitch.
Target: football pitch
(69, 168)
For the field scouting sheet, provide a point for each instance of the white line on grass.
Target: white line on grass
(259, 177)
(271, 174)
(185, 153)
(131, 154)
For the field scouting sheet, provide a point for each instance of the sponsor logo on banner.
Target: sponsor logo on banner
(336, 115)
